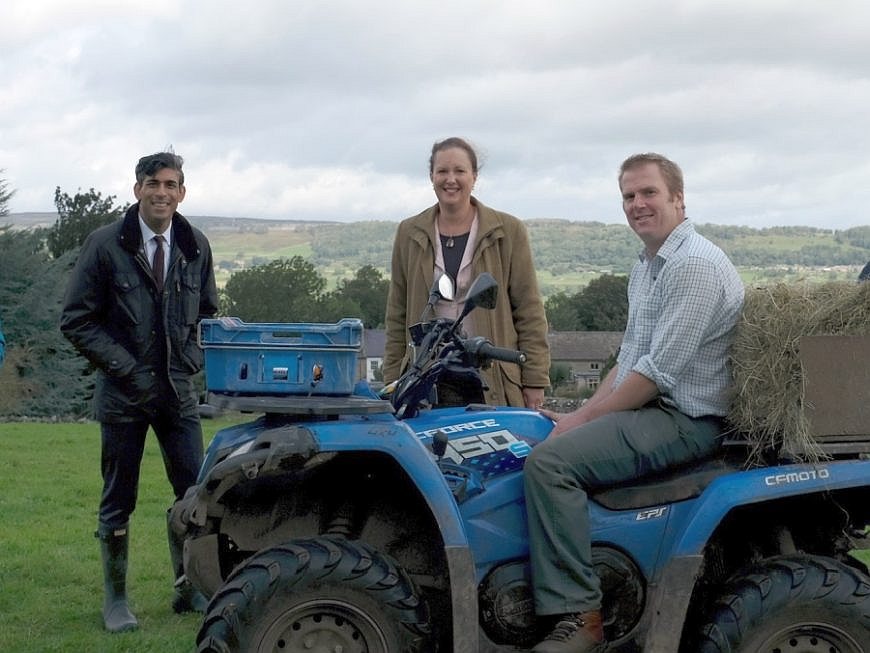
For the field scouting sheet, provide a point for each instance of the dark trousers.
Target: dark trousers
(560, 470)
(180, 440)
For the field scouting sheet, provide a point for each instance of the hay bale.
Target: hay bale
(769, 401)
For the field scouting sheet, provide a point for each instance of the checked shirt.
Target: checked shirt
(683, 305)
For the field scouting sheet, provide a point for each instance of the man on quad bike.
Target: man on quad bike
(661, 405)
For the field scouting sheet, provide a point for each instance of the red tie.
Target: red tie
(158, 263)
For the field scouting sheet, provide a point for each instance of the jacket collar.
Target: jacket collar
(489, 224)
(182, 233)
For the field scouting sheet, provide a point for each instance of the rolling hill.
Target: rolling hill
(567, 254)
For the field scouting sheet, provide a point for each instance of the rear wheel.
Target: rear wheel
(319, 594)
(792, 604)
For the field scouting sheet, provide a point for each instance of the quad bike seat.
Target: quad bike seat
(678, 484)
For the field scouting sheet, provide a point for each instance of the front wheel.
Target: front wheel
(318, 594)
(792, 604)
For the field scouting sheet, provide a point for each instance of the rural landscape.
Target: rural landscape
(305, 271)
(50, 566)
(568, 254)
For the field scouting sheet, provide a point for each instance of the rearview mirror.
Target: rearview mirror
(445, 287)
(442, 288)
(483, 293)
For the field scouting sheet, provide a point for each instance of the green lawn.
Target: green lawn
(50, 571)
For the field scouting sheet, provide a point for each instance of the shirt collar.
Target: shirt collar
(672, 242)
(147, 234)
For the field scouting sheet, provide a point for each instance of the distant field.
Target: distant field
(273, 244)
(569, 283)
(237, 250)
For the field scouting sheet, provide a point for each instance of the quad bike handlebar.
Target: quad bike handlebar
(484, 350)
(440, 349)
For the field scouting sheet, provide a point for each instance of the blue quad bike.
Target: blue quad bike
(355, 524)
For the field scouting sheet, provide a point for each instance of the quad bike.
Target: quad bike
(364, 525)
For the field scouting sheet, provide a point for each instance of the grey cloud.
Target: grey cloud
(764, 104)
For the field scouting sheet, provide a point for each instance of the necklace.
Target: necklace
(449, 242)
(460, 240)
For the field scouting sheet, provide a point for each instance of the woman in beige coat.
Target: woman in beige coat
(462, 237)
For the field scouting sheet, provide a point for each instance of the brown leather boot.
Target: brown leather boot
(574, 633)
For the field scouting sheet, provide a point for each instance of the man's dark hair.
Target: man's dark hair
(150, 165)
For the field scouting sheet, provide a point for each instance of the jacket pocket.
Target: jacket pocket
(190, 298)
(510, 380)
(192, 355)
(127, 287)
(510, 373)
(183, 320)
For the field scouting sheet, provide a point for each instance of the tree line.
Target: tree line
(45, 378)
(564, 247)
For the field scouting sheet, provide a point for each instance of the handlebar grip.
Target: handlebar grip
(482, 347)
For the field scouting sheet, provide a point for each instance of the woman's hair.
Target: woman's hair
(446, 144)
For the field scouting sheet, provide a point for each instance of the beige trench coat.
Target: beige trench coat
(518, 321)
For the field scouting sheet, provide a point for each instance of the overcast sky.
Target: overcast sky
(328, 109)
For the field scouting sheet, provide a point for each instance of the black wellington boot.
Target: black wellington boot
(186, 597)
(114, 545)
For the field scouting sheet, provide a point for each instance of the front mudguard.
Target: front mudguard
(273, 450)
(297, 448)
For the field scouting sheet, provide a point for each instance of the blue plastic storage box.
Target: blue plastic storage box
(280, 358)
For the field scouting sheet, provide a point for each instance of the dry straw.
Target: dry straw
(768, 406)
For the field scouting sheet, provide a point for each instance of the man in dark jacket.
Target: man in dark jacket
(138, 291)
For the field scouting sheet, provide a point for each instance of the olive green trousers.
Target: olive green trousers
(608, 451)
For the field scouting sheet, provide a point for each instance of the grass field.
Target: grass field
(50, 571)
